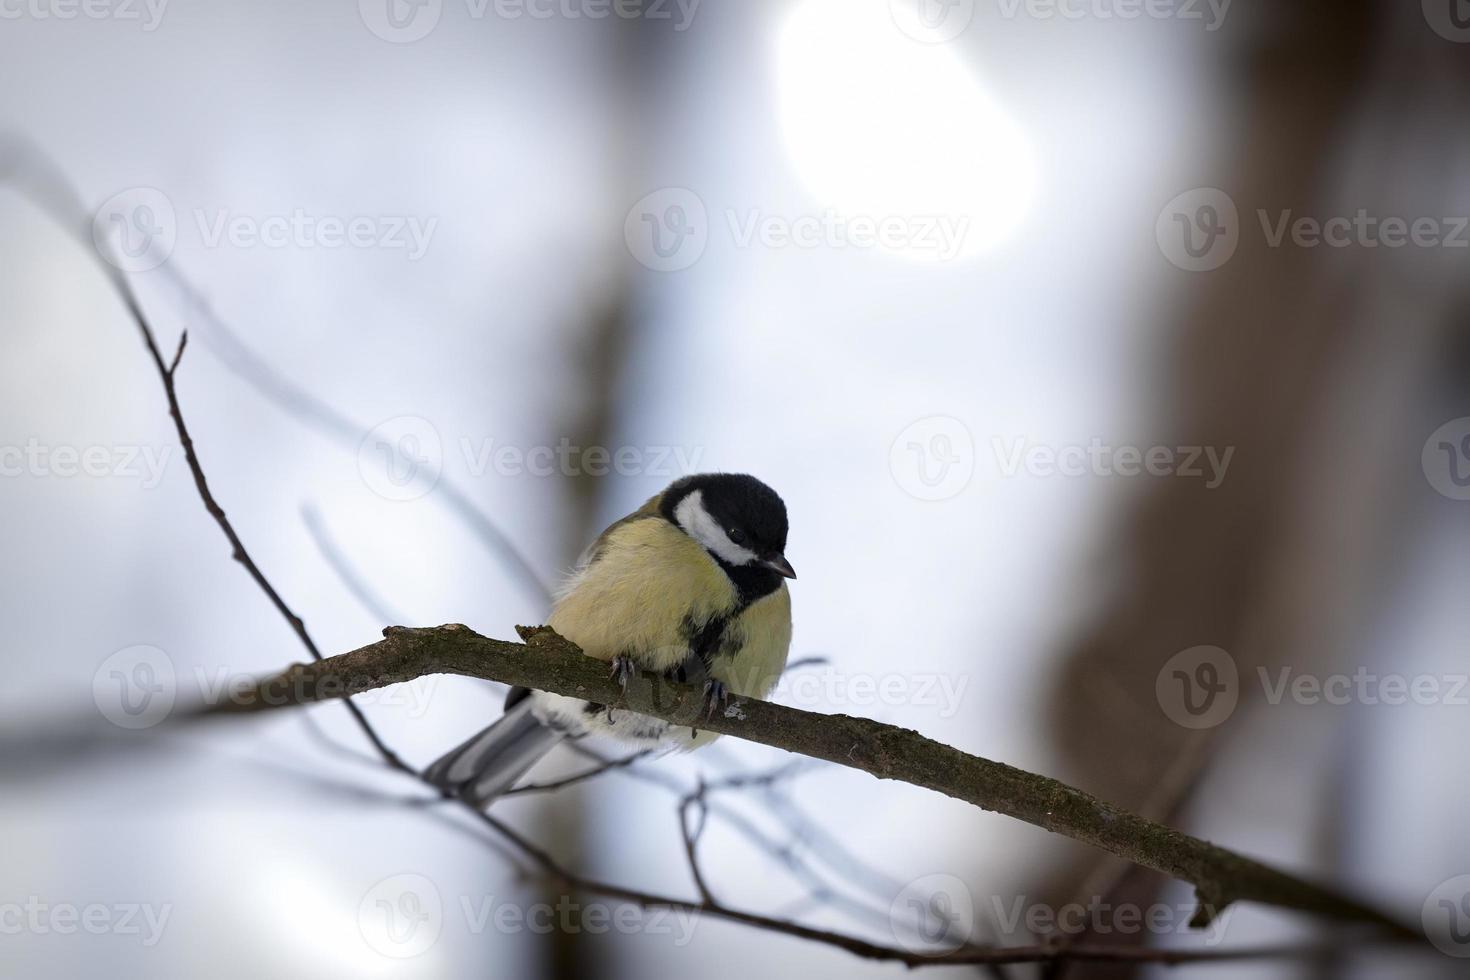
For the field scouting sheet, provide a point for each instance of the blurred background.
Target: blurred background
(1111, 359)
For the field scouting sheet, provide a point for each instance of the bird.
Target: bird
(690, 586)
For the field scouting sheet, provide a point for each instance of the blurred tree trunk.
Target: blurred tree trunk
(1317, 365)
(1258, 349)
(599, 356)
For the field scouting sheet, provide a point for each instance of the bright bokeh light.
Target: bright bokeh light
(879, 124)
(317, 925)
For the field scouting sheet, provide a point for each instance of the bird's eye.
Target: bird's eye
(736, 535)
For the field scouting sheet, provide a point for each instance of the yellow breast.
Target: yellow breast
(759, 640)
(648, 578)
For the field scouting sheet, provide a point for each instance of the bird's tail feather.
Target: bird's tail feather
(490, 763)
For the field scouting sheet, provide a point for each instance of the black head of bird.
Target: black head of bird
(739, 520)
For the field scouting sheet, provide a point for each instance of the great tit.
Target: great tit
(691, 586)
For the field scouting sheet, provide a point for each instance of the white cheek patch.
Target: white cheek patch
(699, 525)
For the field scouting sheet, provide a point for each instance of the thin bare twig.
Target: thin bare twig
(604, 766)
(48, 187)
(875, 951)
(238, 551)
(695, 801)
(787, 853)
(308, 408)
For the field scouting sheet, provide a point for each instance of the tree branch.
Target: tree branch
(238, 551)
(1220, 877)
(691, 835)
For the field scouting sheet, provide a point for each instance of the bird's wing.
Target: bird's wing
(595, 550)
(641, 595)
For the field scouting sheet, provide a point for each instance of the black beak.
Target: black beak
(780, 564)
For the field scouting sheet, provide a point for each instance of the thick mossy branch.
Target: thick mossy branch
(1220, 877)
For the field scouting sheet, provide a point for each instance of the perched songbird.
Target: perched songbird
(690, 585)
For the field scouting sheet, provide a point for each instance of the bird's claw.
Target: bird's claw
(623, 670)
(716, 695)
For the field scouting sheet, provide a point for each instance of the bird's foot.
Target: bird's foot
(716, 695)
(623, 670)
